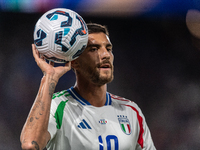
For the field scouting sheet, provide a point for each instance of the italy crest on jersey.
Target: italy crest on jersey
(125, 124)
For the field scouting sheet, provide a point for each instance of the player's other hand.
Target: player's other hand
(49, 69)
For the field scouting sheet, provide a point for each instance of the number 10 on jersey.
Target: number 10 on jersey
(109, 138)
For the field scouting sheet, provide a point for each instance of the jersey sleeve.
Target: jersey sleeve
(145, 141)
(52, 129)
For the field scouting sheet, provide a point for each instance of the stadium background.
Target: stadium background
(157, 64)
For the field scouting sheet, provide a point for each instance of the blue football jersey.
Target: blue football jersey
(75, 124)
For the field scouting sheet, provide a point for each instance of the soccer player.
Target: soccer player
(85, 116)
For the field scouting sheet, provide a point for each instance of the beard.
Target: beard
(93, 73)
(101, 80)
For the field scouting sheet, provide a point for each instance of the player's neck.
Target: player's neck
(95, 95)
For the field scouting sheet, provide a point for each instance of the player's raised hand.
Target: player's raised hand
(55, 72)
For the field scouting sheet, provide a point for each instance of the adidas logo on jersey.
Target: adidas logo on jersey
(84, 125)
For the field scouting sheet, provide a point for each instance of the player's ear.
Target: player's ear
(74, 64)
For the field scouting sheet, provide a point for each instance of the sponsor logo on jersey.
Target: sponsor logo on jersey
(124, 124)
(84, 125)
(102, 121)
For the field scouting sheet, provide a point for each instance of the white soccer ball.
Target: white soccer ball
(60, 35)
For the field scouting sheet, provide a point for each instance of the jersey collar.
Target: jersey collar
(81, 100)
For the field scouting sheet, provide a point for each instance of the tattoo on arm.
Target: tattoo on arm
(39, 109)
(31, 119)
(37, 112)
(36, 145)
(51, 89)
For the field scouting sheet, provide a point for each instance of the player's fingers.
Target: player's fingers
(37, 56)
(68, 66)
(35, 52)
(42, 57)
(64, 69)
(51, 63)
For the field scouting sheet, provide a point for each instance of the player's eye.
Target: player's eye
(92, 49)
(109, 49)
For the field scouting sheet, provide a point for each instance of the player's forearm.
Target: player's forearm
(34, 133)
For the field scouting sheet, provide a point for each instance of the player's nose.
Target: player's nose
(104, 53)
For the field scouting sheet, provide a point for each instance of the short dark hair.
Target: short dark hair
(96, 28)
